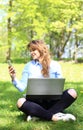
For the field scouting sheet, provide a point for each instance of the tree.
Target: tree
(53, 21)
(66, 16)
(9, 27)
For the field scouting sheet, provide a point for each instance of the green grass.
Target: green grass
(12, 119)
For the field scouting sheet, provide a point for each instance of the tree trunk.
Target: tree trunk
(76, 46)
(8, 55)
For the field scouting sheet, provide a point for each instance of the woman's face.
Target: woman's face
(35, 54)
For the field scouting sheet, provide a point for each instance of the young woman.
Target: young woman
(42, 66)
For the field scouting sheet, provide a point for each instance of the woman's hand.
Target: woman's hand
(12, 72)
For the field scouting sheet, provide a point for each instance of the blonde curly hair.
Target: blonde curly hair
(45, 56)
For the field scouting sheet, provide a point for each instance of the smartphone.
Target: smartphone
(9, 63)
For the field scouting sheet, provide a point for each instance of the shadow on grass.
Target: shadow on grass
(75, 84)
(9, 96)
(39, 126)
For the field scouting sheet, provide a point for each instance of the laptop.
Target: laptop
(45, 88)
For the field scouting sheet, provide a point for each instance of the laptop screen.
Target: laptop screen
(45, 87)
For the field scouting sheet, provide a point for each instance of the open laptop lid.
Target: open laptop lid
(45, 87)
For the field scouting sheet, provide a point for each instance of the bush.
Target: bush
(79, 60)
(20, 60)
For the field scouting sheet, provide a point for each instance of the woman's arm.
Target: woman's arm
(19, 84)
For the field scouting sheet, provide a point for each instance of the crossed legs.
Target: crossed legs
(35, 109)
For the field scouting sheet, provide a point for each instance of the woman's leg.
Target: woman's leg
(68, 97)
(33, 109)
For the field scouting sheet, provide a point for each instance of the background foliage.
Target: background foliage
(59, 23)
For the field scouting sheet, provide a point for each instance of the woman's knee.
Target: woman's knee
(73, 93)
(20, 102)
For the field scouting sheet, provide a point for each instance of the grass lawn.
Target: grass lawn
(12, 119)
